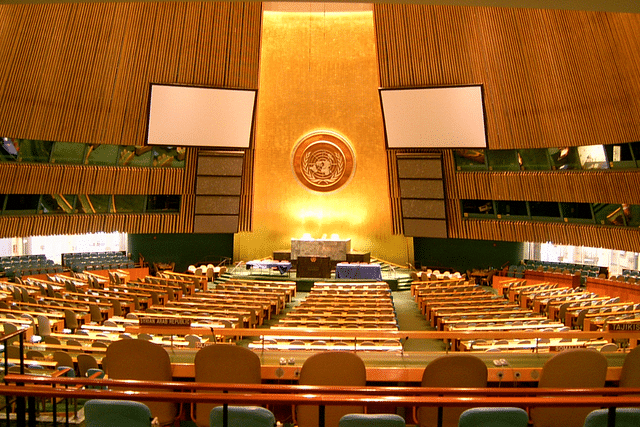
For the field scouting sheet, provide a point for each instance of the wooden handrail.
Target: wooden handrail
(319, 389)
(322, 396)
(327, 398)
(5, 337)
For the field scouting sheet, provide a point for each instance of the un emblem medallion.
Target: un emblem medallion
(323, 161)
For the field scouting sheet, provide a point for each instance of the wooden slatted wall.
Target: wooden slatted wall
(551, 78)
(81, 72)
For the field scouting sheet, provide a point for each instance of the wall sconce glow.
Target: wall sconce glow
(326, 217)
(317, 215)
(335, 236)
(306, 236)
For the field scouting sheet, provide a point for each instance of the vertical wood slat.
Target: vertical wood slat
(245, 222)
(575, 186)
(81, 72)
(563, 234)
(552, 78)
(75, 179)
(394, 192)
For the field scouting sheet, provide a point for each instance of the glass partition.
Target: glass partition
(617, 156)
(68, 153)
(71, 153)
(534, 159)
(52, 204)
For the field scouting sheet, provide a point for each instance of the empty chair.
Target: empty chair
(48, 339)
(13, 352)
(609, 348)
(224, 364)
(142, 360)
(630, 374)
(242, 416)
(44, 326)
(70, 320)
(193, 340)
(580, 368)
(625, 417)
(105, 413)
(494, 417)
(34, 354)
(117, 307)
(371, 420)
(96, 315)
(330, 368)
(63, 359)
(86, 362)
(451, 371)
(10, 328)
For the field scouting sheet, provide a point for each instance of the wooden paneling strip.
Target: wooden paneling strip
(578, 186)
(626, 239)
(74, 179)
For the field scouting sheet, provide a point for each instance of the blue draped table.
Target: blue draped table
(358, 271)
(282, 266)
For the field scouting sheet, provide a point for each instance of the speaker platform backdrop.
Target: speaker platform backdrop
(394, 277)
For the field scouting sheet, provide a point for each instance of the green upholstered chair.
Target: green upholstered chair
(625, 417)
(242, 416)
(494, 417)
(116, 413)
(371, 420)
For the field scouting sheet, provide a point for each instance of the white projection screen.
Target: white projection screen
(200, 117)
(436, 117)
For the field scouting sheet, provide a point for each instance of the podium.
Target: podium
(314, 267)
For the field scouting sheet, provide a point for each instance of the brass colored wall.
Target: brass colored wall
(318, 71)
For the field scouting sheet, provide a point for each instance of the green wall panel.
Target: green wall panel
(463, 255)
(183, 249)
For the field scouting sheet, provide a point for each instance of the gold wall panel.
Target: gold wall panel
(319, 72)
(551, 78)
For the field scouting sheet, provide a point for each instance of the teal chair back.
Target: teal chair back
(494, 417)
(116, 413)
(625, 417)
(371, 420)
(242, 416)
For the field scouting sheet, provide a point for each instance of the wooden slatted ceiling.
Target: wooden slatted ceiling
(81, 72)
(552, 78)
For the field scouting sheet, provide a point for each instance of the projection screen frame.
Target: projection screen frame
(249, 143)
(485, 145)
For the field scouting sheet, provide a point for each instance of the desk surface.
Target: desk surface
(394, 367)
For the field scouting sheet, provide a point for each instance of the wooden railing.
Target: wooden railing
(322, 396)
(446, 335)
